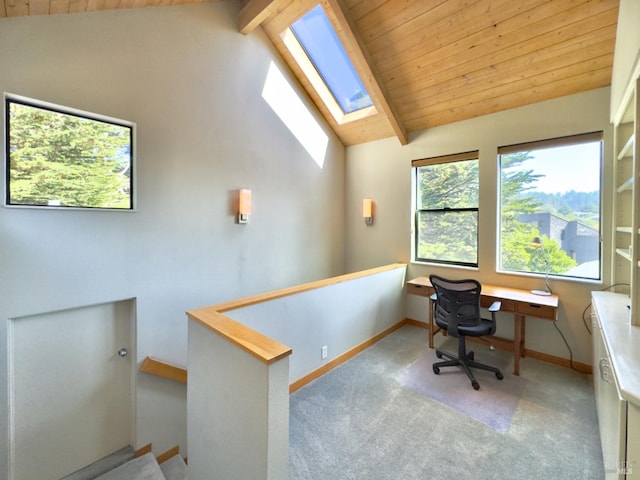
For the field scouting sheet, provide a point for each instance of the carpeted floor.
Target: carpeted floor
(494, 404)
(360, 421)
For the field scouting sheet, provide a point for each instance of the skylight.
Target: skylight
(323, 48)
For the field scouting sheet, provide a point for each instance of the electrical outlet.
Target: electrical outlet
(324, 352)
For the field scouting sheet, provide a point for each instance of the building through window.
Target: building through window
(550, 207)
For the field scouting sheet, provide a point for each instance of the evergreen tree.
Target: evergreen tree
(517, 251)
(449, 236)
(56, 157)
(452, 236)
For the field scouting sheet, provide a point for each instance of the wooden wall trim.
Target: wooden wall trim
(159, 368)
(301, 382)
(172, 452)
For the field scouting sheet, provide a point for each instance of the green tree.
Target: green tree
(444, 234)
(75, 161)
(516, 249)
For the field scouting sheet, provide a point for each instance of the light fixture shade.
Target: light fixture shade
(367, 210)
(244, 205)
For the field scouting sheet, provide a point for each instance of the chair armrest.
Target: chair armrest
(495, 306)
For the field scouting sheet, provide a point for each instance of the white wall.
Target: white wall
(627, 50)
(193, 85)
(382, 170)
(340, 316)
(238, 419)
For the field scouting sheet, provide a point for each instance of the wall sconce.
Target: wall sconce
(367, 211)
(244, 205)
(537, 243)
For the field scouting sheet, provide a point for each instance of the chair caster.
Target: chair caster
(438, 354)
(475, 385)
(471, 356)
(436, 370)
(499, 376)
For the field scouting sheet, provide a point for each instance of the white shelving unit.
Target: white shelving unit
(626, 261)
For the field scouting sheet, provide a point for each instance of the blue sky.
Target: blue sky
(576, 167)
(316, 34)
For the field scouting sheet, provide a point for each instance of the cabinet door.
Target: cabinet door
(633, 439)
(612, 411)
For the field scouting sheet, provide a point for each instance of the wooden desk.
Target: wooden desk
(522, 303)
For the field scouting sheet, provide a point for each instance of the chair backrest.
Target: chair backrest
(457, 303)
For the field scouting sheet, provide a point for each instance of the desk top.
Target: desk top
(505, 293)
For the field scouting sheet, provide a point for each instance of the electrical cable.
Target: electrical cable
(584, 318)
(555, 324)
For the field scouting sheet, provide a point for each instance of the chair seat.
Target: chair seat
(484, 328)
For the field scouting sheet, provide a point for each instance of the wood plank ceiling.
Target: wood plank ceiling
(432, 62)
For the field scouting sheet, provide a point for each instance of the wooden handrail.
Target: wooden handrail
(260, 346)
(265, 297)
(254, 343)
(164, 369)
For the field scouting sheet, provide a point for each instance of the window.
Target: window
(550, 192)
(446, 209)
(63, 158)
(315, 46)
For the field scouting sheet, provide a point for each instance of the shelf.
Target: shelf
(626, 186)
(627, 150)
(624, 253)
(626, 169)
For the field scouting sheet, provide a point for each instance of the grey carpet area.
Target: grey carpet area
(358, 422)
(494, 404)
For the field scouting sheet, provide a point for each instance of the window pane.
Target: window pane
(323, 47)
(448, 236)
(447, 213)
(552, 194)
(448, 185)
(64, 159)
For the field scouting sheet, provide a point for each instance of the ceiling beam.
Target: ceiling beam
(365, 67)
(255, 12)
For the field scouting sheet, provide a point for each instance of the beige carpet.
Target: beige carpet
(358, 422)
(494, 404)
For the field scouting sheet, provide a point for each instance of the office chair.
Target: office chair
(457, 310)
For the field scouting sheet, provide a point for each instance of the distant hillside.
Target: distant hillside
(571, 205)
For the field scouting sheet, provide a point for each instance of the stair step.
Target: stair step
(104, 465)
(142, 468)
(174, 468)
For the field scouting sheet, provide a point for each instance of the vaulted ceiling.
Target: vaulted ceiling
(431, 62)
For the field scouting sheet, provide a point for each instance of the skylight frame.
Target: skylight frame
(310, 70)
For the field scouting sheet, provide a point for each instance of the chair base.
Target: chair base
(466, 362)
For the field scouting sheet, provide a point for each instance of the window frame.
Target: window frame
(564, 141)
(473, 155)
(309, 69)
(64, 110)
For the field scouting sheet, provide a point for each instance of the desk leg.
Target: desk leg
(431, 324)
(522, 335)
(518, 341)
